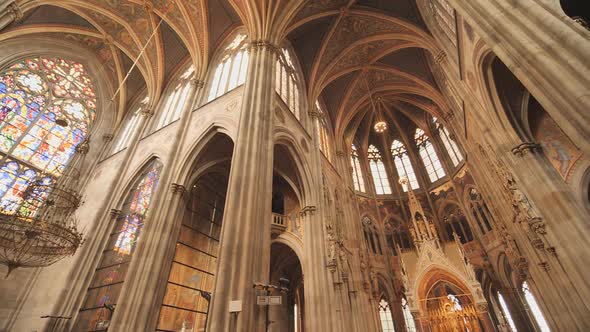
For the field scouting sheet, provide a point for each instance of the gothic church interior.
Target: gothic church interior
(294, 165)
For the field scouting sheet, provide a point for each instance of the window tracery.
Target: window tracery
(480, 211)
(287, 83)
(429, 157)
(450, 145)
(372, 236)
(403, 164)
(377, 167)
(176, 100)
(456, 223)
(111, 272)
(357, 173)
(47, 106)
(232, 69)
(444, 16)
(385, 316)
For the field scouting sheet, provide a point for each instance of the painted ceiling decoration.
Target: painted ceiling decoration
(336, 42)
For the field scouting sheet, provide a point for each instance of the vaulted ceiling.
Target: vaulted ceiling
(349, 50)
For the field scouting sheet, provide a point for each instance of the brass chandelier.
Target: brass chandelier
(40, 228)
(380, 125)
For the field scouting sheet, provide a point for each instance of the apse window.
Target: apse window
(429, 157)
(403, 164)
(377, 167)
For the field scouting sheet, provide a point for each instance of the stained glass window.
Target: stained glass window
(449, 143)
(378, 171)
(287, 84)
(357, 173)
(231, 71)
(410, 324)
(111, 272)
(46, 108)
(429, 157)
(403, 164)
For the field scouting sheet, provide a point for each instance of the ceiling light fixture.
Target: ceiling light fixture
(380, 125)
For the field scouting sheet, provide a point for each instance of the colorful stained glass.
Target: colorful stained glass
(34, 94)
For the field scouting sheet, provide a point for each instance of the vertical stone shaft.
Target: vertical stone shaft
(244, 257)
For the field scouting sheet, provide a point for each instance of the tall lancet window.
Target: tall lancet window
(286, 82)
(377, 167)
(47, 106)
(429, 157)
(357, 173)
(410, 324)
(110, 274)
(323, 135)
(385, 316)
(534, 308)
(449, 143)
(403, 164)
(232, 69)
(176, 99)
(506, 312)
(129, 126)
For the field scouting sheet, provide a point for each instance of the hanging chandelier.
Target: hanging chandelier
(380, 125)
(40, 228)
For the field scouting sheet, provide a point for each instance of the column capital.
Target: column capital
(340, 153)
(107, 137)
(178, 189)
(197, 84)
(524, 148)
(440, 57)
(148, 112)
(264, 44)
(84, 146)
(115, 213)
(313, 113)
(15, 11)
(311, 209)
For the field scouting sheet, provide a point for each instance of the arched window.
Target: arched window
(410, 324)
(175, 101)
(457, 223)
(403, 164)
(111, 272)
(480, 211)
(428, 155)
(385, 316)
(506, 312)
(325, 145)
(397, 234)
(448, 142)
(534, 306)
(130, 126)
(232, 69)
(47, 106)
(287, 84)
(372, 236)
(357, 173)
(377, 167)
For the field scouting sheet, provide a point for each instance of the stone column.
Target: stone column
(245, 254)
(9, 12)
(418, 321)
(484, 317)
(546, 50)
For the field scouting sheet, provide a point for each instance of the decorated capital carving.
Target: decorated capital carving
(313, 113)
(308, 209)
(264, 45)
(115, 213)
(482, 307)
(147, 112)
(84, 146)
(107, 137)
(525, 148)
(197, 84)
(178, 189)
(440, 57)
(15, 11)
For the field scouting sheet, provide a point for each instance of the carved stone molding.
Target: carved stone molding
(115, 213)
(308, 209)
(147, 112)
(14, 10)
(84, 146)
(178, 189)
(313, 113)
(440, 57)
(482, 307)
(197, 84)
(264, 45)
(526, 147)
(340, 153)
(107, 137)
